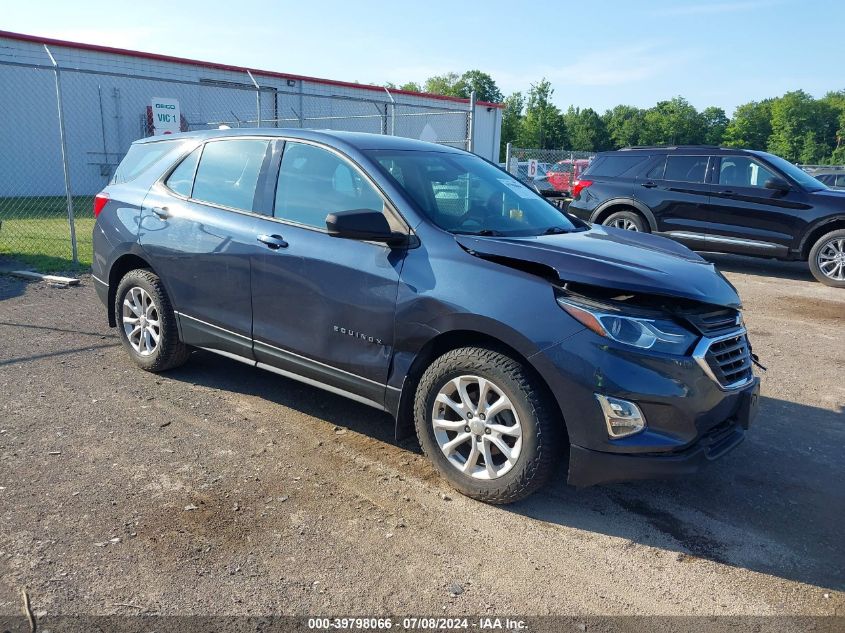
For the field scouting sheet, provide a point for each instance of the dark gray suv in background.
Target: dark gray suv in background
(425, 282)
(719, 199)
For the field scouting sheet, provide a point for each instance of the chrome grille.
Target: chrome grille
(729, 360)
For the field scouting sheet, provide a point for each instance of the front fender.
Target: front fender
(813, 230)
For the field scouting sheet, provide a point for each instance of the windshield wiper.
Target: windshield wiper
(482, 232)
(555, 230)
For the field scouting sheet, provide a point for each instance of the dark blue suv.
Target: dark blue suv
(428, 283)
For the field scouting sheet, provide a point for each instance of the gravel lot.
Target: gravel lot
(220, 489)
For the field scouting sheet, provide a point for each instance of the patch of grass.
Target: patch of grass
(35, 232)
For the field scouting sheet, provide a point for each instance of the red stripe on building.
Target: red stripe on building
(21, 37)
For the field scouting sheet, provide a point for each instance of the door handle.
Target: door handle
(727, 193)
(648, 184)
(160, 212)
(273, 241)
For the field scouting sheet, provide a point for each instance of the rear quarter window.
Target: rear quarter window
(139, 157)
(616, 166)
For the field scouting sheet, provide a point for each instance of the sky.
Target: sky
(596, 53)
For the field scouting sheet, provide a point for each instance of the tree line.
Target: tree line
(796, 126)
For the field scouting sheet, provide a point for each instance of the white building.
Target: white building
(107, 92)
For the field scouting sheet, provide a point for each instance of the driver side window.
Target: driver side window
(314, 182)
(741, 171)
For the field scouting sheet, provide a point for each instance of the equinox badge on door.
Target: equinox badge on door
(354, 334)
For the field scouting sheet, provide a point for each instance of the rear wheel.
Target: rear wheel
(627, 220)
(146, 322)
(487, 424)
(827, 259)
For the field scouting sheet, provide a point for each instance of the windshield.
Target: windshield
(798, 175)
(464, 194)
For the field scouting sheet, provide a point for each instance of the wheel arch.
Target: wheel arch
(444, 342)
(620, 204)
(122, 265)
(815, 231)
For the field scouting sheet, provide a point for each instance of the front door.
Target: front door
(323, 307)
(747, 217)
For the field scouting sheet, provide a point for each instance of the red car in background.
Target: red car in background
(564, 172)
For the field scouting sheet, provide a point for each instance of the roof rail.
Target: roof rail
(671, 147)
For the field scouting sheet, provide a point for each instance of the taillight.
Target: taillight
(100, 201)
(579, 185)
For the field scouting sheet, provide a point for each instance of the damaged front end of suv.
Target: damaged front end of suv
(658, 380)
(629, 345)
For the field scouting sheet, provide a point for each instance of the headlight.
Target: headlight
(658, 334)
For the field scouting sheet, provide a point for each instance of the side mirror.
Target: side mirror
(362, 224)
(778, 184)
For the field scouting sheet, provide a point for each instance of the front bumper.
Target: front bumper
(588, 467)
(690, 420)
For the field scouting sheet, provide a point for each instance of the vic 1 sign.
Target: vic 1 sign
(166, 116)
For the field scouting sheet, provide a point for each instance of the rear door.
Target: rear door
(675, 189)
(198, 229)
(746, 216)
(324, 306)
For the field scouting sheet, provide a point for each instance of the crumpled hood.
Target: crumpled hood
(616, 259)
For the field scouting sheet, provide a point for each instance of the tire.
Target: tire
(531, 409)
(827, 259)
(138, 289)
(627, 220)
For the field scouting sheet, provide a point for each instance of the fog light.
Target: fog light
(623, 418)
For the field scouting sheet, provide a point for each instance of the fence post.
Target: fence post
(471, 123)
(392, 112)
(301, 115)
(257, 97)
(65, 167)
(508, 148)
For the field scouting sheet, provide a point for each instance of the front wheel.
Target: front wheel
(827, 259)
(487, 424)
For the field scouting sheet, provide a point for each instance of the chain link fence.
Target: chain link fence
(65, 130)
(550, 172)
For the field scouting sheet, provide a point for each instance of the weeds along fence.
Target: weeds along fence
(64, 131)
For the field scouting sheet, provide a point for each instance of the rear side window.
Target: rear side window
(228, 172)
(840, 181)
(686, 168)
(139, 157)
(181, 179)
(616, 166)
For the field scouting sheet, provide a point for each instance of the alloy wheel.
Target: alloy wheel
(141, 322)
(831, 259)
(477, 427)
(624, 223)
